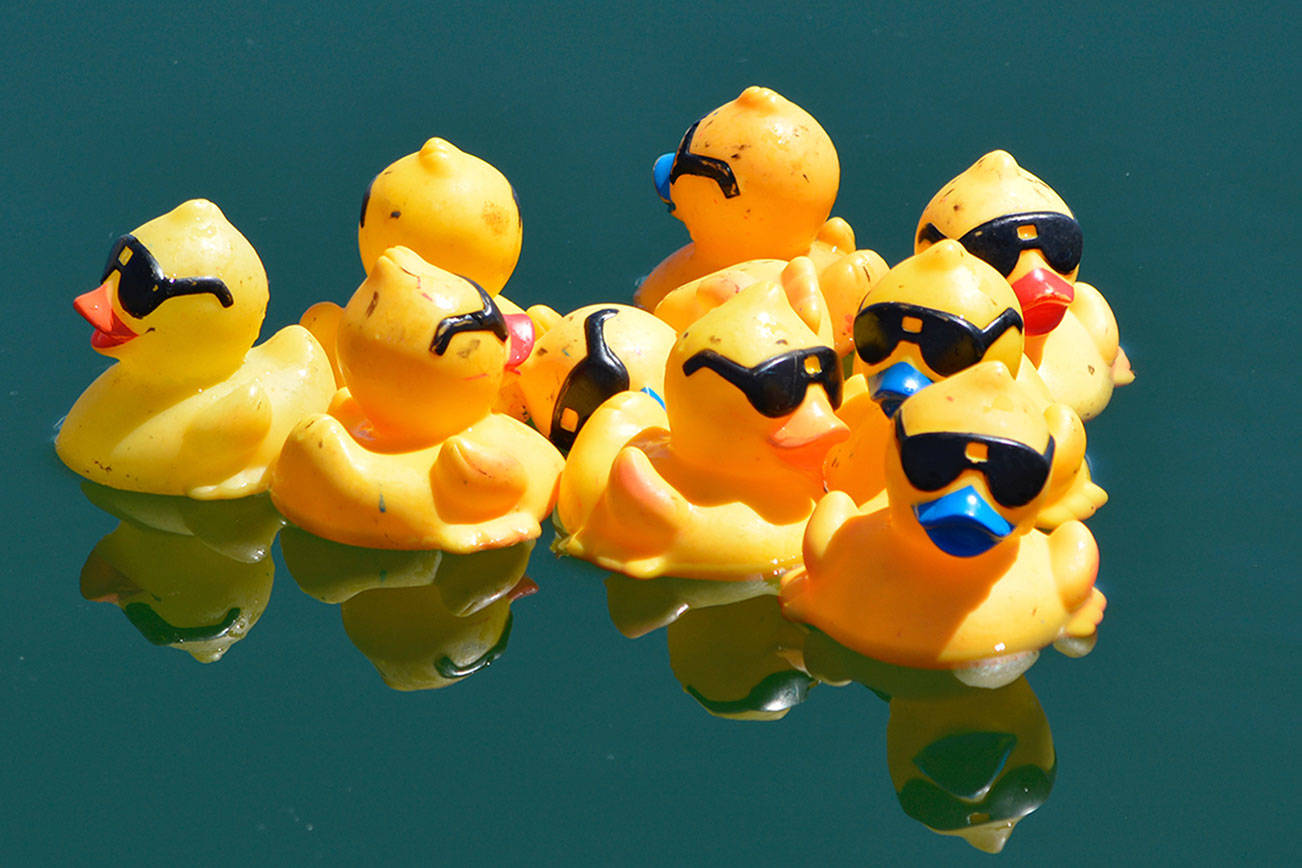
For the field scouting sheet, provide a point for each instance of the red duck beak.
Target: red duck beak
(96, 307)
(1044, 297)
(521, 330)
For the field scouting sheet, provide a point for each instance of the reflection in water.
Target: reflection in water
(425, 619)
(972, 764)
(965, 761)
(193, 575)
(741, 660)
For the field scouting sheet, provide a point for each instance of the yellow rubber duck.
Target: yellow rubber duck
(719, 482)
(753, 179)
(457, 212)
(584, 358)
(191, 407)
(411, 455)
(932, 315)
(1010, 218)
(950, 573)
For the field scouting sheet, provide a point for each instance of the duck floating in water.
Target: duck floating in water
(191, 407)
(753, 179)
(933, 315)
(1011, 219)
(950, 573)
(411, 455)
(717, 484)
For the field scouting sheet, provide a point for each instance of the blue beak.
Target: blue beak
(660, 171)
(890, 387)
(962, 524)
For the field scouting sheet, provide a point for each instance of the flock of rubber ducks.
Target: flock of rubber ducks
(896, 455)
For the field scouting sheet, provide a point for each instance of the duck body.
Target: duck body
(411, 454)
(708, 487)
(469, 492)
(952, 574)
(877, 593)
(191, 407)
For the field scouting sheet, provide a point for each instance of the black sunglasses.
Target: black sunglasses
(776, 386)
(142, 286)
(1014, 472)
(687, 163)
(488, 319)
(598, 375)
(1000, 241)
(948, 342)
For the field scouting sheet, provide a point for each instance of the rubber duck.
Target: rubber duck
(416, 643)
(753, 179)
(1011, 219)
(931, 316)
(740, 661)
(950, 573)
(191, 407)
(719, 482)
(584, 358)
(411, 455)
(974, 764)
(843, 281)
(457, 212)
(190, 575)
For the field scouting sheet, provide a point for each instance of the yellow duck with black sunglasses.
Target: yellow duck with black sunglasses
(931, 316)
(191, 407)
(950, 573)
(755, 178)
(1008, 217)
(717, 483)
(411, 454)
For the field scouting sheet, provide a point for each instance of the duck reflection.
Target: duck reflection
(192, 575)
(972, 764)
(969, 761)
(425, 619)
(729, 645)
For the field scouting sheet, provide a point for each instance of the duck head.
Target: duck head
(931, 316)
(970, 461)
(181, 299)
(422, 350)
(586, 357)
(1017, 223)
(755, 177)
(455, 210)
(751, 386)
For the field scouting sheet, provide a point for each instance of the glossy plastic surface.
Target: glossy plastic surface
(191, 407)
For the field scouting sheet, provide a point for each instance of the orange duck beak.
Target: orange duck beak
(96, 307)
(805, 438)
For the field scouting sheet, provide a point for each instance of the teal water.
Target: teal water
(1168, 130)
